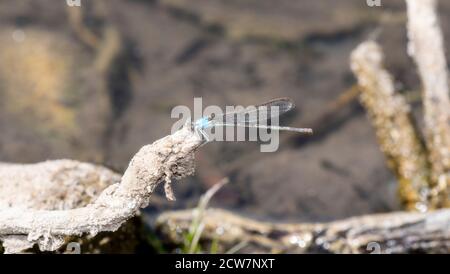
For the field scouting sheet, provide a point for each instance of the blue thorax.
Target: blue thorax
(202, 123)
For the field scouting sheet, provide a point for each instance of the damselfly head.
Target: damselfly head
(202, 123)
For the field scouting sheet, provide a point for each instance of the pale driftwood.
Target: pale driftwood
(426, 46)
(394, 127)
(31, 214)
(397, 232)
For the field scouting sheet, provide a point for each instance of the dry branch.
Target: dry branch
(384, 233)
(395, 130)
(23, 224)
(426, 46)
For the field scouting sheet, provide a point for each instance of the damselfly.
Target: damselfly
(251, 117)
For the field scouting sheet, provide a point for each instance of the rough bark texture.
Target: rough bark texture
(395, 130)
(426, 46)
(37, 216)
(397, 232)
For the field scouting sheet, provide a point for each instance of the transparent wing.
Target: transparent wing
(255, 114)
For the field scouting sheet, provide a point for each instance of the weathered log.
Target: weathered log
(30, 213)
(398, 232)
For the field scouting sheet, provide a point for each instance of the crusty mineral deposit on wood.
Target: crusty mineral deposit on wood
(46, 202)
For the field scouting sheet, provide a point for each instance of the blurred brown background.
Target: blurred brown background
(96, 82)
